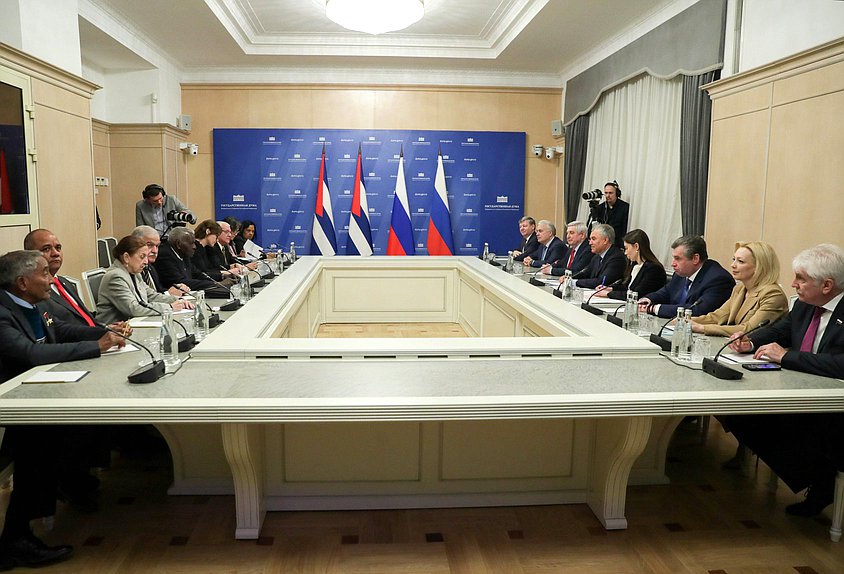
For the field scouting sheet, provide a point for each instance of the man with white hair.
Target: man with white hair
(804, 450)
(550, 247)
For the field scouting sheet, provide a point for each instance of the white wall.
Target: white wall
(46, 29)
(774, 29)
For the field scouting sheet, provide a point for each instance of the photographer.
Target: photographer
(161, 211)
(613, 211)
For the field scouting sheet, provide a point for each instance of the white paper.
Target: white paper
(139, 322)
(253, 249)
(115, 350)
(742, 359)
(56, 377)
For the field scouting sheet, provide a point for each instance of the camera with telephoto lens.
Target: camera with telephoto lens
(594, 195)
(181, 217)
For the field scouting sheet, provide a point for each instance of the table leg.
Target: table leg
(244, 453)
(618, 443)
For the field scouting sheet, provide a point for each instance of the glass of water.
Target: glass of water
(701, 347)
(645, 324)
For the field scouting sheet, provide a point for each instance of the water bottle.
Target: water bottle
(169, 341)
(244, 287)
(486, 252)
(279, 262)
(685, 351)
(566, 287)
(200, 316)
(678, 329)
(631, 312)
(292, 252)
(509, 266)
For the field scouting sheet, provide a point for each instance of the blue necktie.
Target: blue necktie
(684, 294)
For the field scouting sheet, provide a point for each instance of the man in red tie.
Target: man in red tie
(804, 450)
(65, 302)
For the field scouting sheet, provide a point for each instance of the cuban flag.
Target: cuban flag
(400, 241)
(360, 233)
(323, 241)
(439, 228)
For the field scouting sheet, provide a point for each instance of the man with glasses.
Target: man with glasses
(150, 274)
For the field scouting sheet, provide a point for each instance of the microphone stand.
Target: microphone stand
(185, 344)
(213, 319)
(146, 373)
(658, 339)
(592, 309)
(233, 304)
(719, 371)
(614, 318)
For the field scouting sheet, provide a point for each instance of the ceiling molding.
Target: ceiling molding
(371, 76)
(500, 29)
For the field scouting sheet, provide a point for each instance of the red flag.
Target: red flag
(5, 186)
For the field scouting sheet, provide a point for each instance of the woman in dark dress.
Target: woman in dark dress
(644, 274)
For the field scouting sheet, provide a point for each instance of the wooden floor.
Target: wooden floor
(390, 330)
(707, 520)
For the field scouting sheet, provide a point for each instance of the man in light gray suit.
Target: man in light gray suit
(152, 210)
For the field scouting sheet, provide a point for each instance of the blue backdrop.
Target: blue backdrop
(270, 177)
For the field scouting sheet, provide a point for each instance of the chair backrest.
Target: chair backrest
(103, 254)
(77, 285)
(112, 243)
(92, 280)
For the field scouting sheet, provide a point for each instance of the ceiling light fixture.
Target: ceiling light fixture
(374, 16)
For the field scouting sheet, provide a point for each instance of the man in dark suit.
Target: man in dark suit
(174, 261)
(614, 211)
(608, 262)
(150, 273)
(528, 244)
(64, 302)
(804, 450)
(550, 246)
(698, 281)
(577, 255)
(32, 337)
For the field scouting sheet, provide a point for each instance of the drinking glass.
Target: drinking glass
(701, 347)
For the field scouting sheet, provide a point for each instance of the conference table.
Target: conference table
(610, 410)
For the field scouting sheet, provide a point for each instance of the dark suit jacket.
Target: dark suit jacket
(20, 350)
(606, 270)
(552, 253)
(712, 286)
(650, 278)
(582, 258)
(788, 332)
(172, 269)
(57, 307)
(152, 272)
(527, 246)
(201, 261)
(617, 219)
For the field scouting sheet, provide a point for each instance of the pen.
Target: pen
(604, 280)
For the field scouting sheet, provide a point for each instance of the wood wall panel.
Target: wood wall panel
(66, 185)
(800, 211)
(771, 171)
(736, 183)
(362, 107)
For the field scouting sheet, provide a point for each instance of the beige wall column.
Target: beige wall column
(141, 154)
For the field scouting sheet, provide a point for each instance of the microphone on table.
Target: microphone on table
(614, 318)
(213, 319)
(147, 373)
(185, 344)
(719, 371)
(592, 309)
(232, 305)
(658, 339)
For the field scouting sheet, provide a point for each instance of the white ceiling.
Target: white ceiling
(539, 37)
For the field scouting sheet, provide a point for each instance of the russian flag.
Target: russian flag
(439, 228)
(400, 241)
(323, 240)
(360, 233)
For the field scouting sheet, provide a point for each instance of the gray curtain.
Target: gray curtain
(694, 151)
(577, 134)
